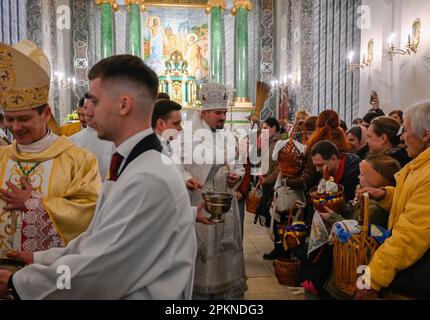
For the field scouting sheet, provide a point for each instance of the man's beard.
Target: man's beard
(220, 126)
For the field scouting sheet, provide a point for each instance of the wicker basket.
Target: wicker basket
(253, 200)
(287, 271)
(334, 201)
(290, 160)
(348, 256)
(293, 236)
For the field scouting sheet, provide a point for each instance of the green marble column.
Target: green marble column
(106, 29)
(217, 57)
(134, 37)
(242, 55)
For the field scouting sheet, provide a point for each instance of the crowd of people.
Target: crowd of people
(121, 202)
(383, 156)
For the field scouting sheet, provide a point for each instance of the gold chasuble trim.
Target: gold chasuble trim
(45, 204)
(52, 217)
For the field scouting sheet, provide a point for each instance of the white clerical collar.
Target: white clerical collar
(162, 140)
(127, 146)
(40, 145)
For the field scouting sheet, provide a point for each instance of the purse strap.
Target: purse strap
(298, 205)
(256, 188)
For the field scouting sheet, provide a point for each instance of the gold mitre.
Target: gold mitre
(25, 74)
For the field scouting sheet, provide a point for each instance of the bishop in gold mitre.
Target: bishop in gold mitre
(48, 186)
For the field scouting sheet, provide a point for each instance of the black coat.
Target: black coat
(400, 154)
(350, 175)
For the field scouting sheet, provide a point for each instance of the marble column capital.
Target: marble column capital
(113, 3)
(238, 4)
(140, 3)
(214, 4)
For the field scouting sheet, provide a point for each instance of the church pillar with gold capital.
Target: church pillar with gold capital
(240, 10)
(134, 33)
(216, 8)
(107, 7)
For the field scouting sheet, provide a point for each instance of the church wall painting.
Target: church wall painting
(166, 30)
(178, 3)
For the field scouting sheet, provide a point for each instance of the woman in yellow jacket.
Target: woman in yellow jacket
(409, 207)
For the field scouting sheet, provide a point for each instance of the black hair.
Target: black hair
(357, 121)
(388, 126)
(272, 122)
(126, 67)
(326, 149)
(399, 114)
(343, 125)
(370, 116)
(162, 110)
(82, 100)
(41, 108)
(163, 95)
(356, 131)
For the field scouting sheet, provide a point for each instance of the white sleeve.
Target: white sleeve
(179, 149)
(194, 211)
(185, 174)
(48, 257)
(133, 247)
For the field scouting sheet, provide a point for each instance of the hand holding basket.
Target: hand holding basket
(254, 199)
(348, 256)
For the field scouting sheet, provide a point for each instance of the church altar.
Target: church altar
(176, 81)
(185, 51)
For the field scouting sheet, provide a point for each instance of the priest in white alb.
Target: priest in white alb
(208, 159)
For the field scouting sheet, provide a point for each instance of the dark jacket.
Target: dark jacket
(400, 154)
(378, 111)
(307, 179)
(363, 152)
(350, 176)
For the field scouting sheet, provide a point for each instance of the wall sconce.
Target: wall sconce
(367, 59)
(285, 81)
(412, 45)
(63, 83)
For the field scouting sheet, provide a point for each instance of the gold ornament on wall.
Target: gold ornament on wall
(113, 3)
(367, 58)
(412, 45)
(215, 4)
(140, 3)
(416, 35)
(241, 4)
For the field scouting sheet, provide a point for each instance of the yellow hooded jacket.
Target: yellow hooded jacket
(409, 222)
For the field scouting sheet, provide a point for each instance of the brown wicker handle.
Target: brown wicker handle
(365, 228)
(256, 188)
(294, 132)
(290, 215)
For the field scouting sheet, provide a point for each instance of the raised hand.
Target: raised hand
(16, 197)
